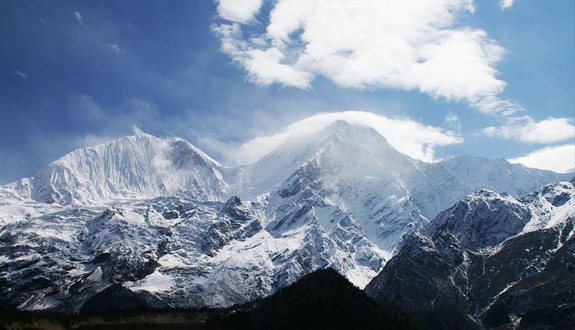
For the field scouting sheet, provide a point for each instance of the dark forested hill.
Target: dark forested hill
(321, 300)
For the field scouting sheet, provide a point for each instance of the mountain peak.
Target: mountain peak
(337, 144)
(350, 131)
(467, 220)
(133, 167)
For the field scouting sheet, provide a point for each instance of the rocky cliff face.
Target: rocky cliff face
(492, 258)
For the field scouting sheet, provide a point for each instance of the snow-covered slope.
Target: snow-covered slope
(161, 217)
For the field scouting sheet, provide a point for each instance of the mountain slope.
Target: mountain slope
(492, 258)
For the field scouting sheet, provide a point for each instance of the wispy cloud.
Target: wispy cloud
(20, 74)
(528, 130)
(80, 19)
(559, 158)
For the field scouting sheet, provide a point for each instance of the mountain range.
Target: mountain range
(166, 221)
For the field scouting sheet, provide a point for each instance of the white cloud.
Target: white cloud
(407, 136)
(494, 105)
(559, 159)
(401, 44)
(265, 67)
(241, 11)
(506, 3)
(525, 129)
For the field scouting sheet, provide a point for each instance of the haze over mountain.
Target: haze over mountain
(165, 220)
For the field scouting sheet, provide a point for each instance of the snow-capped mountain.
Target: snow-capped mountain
(492, 258)
(134, 167)
(167, 221)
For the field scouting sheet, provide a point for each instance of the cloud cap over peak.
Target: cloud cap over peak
(407, 136)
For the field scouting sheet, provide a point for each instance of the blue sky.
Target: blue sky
(76, 73)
